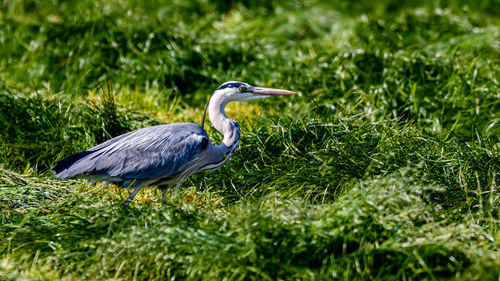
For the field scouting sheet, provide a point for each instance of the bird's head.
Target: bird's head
(239, 91)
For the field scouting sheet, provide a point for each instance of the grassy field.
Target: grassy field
(385, 166)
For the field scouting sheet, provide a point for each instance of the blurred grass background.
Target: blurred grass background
(383, 168)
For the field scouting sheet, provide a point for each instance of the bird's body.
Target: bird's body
(163, 154)
(144, 155)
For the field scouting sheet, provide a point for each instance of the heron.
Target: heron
(164, 155)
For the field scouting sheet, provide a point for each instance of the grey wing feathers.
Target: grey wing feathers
(153, 152)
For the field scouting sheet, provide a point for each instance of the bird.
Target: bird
(167, 154)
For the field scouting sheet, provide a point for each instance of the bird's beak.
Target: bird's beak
(271, 92)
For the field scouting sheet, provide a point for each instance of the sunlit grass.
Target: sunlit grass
(385, 166)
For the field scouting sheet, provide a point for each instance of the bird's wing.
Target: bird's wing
(153, 152)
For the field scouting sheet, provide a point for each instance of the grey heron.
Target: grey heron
(165, 154)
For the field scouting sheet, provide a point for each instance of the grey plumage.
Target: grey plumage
(147, 153)
(164, 154)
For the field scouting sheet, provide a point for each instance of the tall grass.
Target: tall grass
(384, 167)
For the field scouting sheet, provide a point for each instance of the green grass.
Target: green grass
(384, 167)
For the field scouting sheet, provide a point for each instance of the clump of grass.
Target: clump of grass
(40, 128)
(320, 158)
(390, 226)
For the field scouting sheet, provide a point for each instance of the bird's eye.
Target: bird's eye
(242, 89)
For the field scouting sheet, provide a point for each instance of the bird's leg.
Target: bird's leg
(164, 195)
(163, 189)
(133, 194)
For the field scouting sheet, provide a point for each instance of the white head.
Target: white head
(239, 91)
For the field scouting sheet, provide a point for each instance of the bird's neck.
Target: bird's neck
(226, 126)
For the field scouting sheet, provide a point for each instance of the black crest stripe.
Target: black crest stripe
(230, 85)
